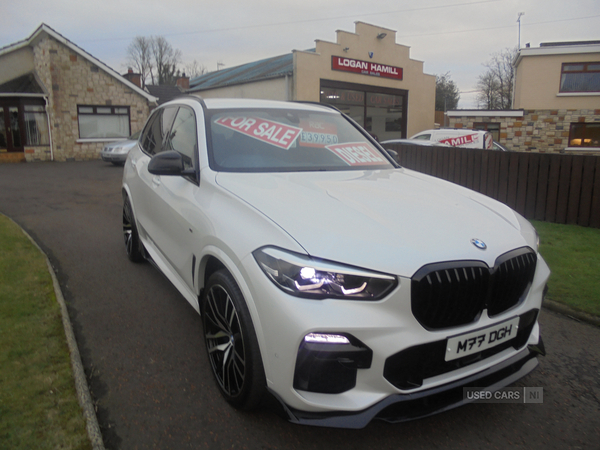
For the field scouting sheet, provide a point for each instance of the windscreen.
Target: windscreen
(286, 140)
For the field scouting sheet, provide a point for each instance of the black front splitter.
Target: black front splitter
(404, 407)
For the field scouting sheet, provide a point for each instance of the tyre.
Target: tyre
(133, 245)
(231, 343)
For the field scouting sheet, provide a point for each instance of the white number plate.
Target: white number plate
(476, 341)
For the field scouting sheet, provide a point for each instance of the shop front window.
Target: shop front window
(380, 111)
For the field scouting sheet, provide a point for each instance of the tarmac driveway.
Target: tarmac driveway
(143, 353)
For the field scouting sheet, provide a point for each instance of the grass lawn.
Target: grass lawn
(38, 402)
(573, 254)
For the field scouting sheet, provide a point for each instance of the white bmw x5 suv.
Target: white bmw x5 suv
(328, 277)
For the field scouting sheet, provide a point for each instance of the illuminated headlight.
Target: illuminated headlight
(307, 277)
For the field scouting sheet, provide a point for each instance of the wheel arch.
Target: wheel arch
(216, 259)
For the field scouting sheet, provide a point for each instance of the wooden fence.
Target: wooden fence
(548, 187)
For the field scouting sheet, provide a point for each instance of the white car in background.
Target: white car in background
(327, 277)
(457, 137)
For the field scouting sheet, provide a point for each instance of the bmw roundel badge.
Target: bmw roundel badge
(479, 244)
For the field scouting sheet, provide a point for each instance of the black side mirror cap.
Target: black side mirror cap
(166, 163)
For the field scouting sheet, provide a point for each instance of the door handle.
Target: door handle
(156, 181)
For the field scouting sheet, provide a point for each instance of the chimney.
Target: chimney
(135, 78)
(183, 82)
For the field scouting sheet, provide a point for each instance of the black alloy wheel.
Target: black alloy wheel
(231, 343)
(133, 246)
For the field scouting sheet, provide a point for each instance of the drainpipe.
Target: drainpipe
(49, 129)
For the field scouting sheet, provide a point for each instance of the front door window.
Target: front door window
(15, 129)
(23, 122)
(3, 137)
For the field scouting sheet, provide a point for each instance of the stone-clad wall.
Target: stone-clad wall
(71, 81)
(541, 131)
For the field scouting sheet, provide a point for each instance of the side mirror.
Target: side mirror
(166, 163)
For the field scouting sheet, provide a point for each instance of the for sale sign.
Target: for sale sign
(357, 154)
(274, 133)
(366, 68)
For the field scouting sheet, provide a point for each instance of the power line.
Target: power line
(295, 22)
(495, 28)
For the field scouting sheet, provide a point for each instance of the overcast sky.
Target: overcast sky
(455, 36)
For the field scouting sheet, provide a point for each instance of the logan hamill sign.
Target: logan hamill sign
(365, 68)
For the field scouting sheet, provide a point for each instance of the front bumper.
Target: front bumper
(113, 157)
(387, 328)
(404, 407)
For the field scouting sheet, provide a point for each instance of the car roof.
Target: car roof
(246, 103)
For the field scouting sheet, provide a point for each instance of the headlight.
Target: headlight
(307, 277)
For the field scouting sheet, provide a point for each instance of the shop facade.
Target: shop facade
(366, 74)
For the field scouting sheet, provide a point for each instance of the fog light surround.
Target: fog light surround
(328, 363)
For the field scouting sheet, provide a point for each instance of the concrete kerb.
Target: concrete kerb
(572, 313)
(83, 392)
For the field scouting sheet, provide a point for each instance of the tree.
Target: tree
(139, 57)
(488, 95)
(496, 84)
(154, 58)
(447, 93)
(194, 69)
(166, 58)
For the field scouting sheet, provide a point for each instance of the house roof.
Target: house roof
(25, 84)
(164, 93)
(558, 48)
(265, 69)
(45, 29)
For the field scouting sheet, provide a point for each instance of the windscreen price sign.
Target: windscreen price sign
(274, 133)
(357, 154)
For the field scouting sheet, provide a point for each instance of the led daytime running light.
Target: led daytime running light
(320, 338)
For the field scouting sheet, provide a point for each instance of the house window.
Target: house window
(492, 127)
(580, 77)
(36, 125)
(103, 122)
(23, 122)
(584, 135)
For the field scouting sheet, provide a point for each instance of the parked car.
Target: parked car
(457, 137)
(328, 277)
(116, 152)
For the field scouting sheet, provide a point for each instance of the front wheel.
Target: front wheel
(231, 343)
(133, 245)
